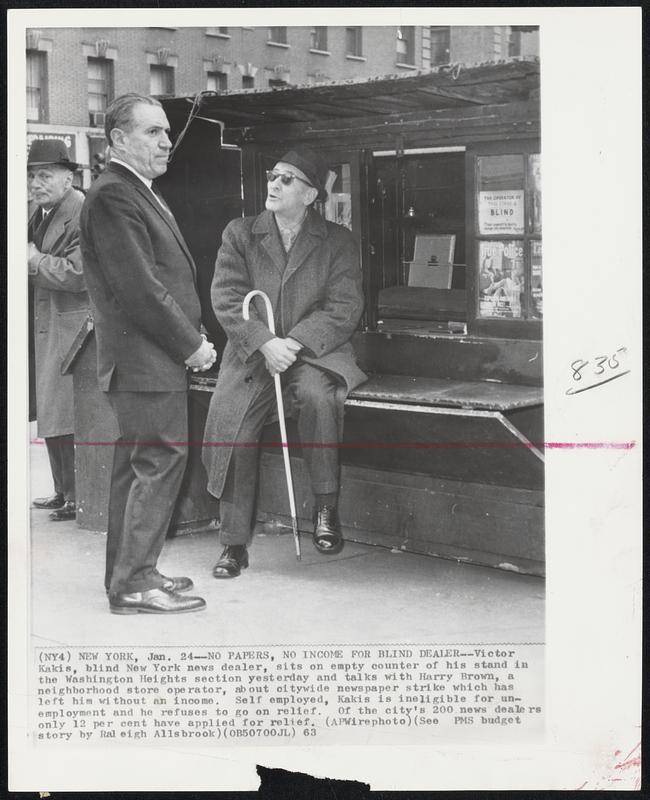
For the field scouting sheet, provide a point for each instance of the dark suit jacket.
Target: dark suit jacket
(142, 285)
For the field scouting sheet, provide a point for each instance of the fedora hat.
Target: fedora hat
(43, 152)
(312, 166)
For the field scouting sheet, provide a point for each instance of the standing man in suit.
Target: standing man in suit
(309, 268)
(142, 284)
(60, 307)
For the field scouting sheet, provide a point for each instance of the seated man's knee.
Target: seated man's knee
(316, 391)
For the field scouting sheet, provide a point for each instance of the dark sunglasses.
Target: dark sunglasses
(286, 178)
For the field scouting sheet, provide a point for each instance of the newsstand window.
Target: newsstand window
(338, 207)
(509, 227)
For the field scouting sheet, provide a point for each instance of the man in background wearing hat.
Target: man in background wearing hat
(309, 268)
(60, 307)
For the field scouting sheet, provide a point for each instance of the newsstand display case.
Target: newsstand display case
(438, 176)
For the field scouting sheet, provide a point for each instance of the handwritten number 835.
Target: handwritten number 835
(602, 363)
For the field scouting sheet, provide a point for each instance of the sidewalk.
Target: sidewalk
(363, 595)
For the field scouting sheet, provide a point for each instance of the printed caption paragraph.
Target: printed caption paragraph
(315, 695)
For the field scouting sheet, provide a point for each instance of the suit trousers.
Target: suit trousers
(149, 462)
(311, 398)
(60, 450)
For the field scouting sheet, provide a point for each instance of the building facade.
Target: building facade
(74, 73)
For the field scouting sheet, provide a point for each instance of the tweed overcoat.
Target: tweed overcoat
(316, 294)
(142, 284)
(60, 308)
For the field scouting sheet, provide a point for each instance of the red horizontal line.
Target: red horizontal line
(374, 445)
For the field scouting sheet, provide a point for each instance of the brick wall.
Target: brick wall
(189, 50)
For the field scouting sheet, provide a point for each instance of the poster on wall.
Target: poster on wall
(501, 279)
(501, 212)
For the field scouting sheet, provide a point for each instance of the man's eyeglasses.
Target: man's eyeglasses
(286, 178)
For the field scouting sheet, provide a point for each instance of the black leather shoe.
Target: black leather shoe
(54, 501)
(67, 511)
(177, 584)
(327, 532)
(231, 562)
(153, 601)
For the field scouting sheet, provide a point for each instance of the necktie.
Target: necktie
(39, 227)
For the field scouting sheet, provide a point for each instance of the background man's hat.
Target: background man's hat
(50, 151)
(312, 166)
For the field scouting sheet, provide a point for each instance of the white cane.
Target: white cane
(283, 426)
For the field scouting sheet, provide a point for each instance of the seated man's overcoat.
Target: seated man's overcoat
(317, 297)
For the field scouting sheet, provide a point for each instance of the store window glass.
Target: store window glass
(406, 44)
(100, 82)
(217, 82)
(338, 206)
(509, 226)
(501, 195)
(439, 38)
(278, 35)
(536, 278)
(501, 279)
(161, 80)
(354, 42)
(318, 40)
(535, 193)
(36, 86)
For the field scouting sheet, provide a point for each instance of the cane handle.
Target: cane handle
(270, 321)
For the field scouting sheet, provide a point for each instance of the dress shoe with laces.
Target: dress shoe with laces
(153, 601)
(231, 562)
(178, 584)
(67, 511)
(54, 501)
(327, 536)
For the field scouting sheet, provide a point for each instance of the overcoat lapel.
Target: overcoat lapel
(272, 244)
(312, 231)
(57, 227)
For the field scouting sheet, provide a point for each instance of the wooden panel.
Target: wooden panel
(467, 358)
(467, 522)
(447, 443)
(409, 302)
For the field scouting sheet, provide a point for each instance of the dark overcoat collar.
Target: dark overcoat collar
(313, 230)
(62, 213)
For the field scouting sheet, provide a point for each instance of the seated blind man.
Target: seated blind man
(309, 268)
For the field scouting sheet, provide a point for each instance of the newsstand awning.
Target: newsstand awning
(454, 86)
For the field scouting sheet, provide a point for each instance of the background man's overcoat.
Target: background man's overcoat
(317, 299)
(60, 307)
